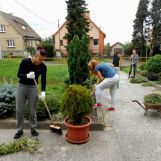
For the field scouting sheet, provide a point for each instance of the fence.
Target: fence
(125, 61)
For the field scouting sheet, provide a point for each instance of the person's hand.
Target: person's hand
(31, 75)
(42, 96)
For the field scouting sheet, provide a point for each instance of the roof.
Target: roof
(116, 44)
(89, 21)
(60, 27)
(17, 23)
(97, 27)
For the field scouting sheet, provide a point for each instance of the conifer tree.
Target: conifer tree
(78, 60)
(138, 39)
(156, 26)
(77, 38)
(77, 22)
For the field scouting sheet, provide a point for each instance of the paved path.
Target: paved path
(129, 135)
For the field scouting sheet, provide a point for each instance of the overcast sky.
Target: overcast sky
(114, 17)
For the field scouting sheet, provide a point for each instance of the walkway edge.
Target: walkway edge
(11, 123)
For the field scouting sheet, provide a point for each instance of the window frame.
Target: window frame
(61, 42)
(94, 42)
(30, 43)
(2, 28)
(10, 43)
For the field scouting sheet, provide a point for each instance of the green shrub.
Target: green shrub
(89, 82)
(153, 76)
(147, 84)
(66, 81)
(7, 100)
(41, 111)
(49, 49)
(143, 66)
(31, 50)
(153, 99)
(78, 59)
(154, 64)
(76, 102)
(138, 80)
(144, 73)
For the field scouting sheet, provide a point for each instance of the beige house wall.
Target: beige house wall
(20, 42)
(60, 36)
(10, 34)
(93, 34)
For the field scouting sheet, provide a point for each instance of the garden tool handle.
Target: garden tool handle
(93, 91)
(95, 88)
(51, 118)
(139, 103)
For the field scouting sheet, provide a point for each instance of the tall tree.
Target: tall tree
(77, 37)
(78, 60)
(48, 40)
(139, 34)
(77, 22)
(128, 47)
(48, 45)
(156, 26)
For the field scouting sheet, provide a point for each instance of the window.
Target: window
(61, 42)
(2, 28)
(10, 43)
(30, 43)
(95, 41)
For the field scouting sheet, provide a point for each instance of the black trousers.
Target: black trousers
(132, 67)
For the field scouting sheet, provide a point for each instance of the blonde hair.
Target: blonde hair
(92, 64)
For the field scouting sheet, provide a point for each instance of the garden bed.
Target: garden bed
(96, 116)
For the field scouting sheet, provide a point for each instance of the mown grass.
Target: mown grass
(56, 74)
(8, 69)
(125, 69)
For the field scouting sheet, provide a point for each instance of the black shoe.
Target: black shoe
(18, 134)
(34, 132)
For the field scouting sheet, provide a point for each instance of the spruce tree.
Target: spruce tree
(77, 22)
(139, 34)
(77, 37)
(156, 26)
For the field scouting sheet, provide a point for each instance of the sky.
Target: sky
(114, 17)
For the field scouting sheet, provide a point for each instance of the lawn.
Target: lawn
(56, 74)
(125, 69)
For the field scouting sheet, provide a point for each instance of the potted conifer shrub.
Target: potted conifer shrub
(75, 105)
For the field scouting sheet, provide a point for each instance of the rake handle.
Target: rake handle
(51, 118)
(95, 88)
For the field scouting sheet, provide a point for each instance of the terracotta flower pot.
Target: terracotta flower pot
(77, 133)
